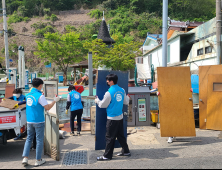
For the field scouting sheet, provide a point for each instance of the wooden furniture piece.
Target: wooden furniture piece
(175, 102)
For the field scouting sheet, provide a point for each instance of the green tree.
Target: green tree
(53, 18)
(120, 57)
(61, 49)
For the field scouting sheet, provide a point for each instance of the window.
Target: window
(208, 50)
(168, 54)
(217, 86)
(140, 60)
(200, 52)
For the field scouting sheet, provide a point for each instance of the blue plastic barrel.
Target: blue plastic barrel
(60, 79)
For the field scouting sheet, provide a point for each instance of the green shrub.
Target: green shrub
(39, 25)
(26, 19)
(96, 14)
(47, 11)
(54, 18)
(141, 27)
(14, 18)
(70, 28)
(40, 32)
(143, 33)
(22, 11)
(46, 17)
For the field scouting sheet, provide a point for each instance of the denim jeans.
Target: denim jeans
(31, 130)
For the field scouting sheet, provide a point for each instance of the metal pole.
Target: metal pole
(218, 32)
(90, 74)
(23, 70)
(20, 65)
(164, 30)
(5, 37)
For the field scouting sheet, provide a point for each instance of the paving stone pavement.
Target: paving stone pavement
(148, 151)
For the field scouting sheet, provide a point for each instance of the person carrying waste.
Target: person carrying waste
(35, 106)
(18, 96)
(74, 102)
(114, 100)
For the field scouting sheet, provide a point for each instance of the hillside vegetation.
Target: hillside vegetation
(129, 20)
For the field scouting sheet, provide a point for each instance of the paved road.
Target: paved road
(148, 150)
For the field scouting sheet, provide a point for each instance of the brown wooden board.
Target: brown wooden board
(214, 98)
(93, 120)
(175, 107)
(8, 103)
(9, 90)
(204, 71)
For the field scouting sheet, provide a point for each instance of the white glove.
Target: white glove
(96, 100)
(56, 99)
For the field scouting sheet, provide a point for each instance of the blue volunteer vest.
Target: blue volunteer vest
(76, 103)
(115, 107)
(20, 99)
(34, 110)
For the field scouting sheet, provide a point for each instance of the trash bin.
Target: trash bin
(154, 116)
(60, 79)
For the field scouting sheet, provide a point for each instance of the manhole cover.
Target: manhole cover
(75, 158)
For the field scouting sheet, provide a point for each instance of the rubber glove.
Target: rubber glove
(56, 98)
(16, 106)
(96, 100)
(66, 111)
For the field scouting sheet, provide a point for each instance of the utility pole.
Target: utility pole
(164, 30)
(21, 65)
(6, 37)
(218, 32)
(90, 66)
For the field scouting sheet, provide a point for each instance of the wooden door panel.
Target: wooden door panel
(204, 71)
(214, 102)
(176, 110)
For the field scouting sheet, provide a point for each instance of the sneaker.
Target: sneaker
(72, 134)
(25, 161)
(170, 140)
(41, 162)
(78, 133)
(102, 158)
(123, 154)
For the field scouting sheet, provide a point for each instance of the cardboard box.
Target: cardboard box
(93, 119)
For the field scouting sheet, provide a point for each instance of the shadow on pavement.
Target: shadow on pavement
(12, 151)
(163, 153)
(195, 141)
(69, 146)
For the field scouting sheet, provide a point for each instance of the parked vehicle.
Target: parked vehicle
(12, 124)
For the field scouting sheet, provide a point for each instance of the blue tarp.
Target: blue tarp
(195, 83)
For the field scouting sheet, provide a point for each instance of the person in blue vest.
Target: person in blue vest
(113, 100)
(35, 105)
(18, 96)
(74, 102)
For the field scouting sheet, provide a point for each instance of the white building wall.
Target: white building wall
(157, 53)
(174, 50)
(143, 70)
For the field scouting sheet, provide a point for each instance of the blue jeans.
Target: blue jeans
(31, 130)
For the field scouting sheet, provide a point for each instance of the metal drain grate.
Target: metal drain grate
(75, 158)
